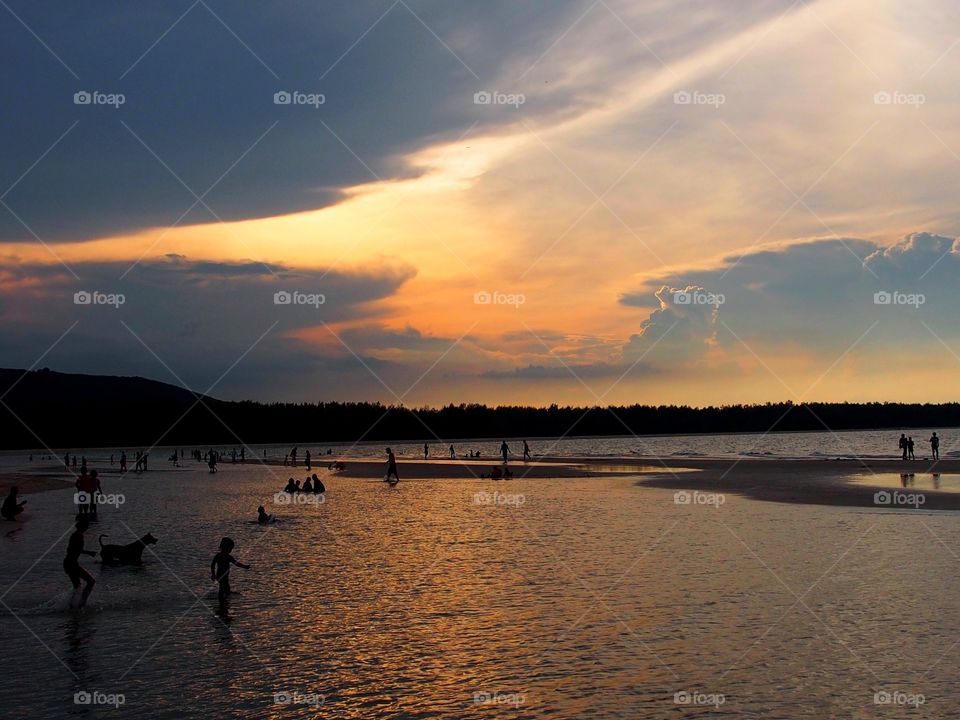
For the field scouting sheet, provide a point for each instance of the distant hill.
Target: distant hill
(43, 408)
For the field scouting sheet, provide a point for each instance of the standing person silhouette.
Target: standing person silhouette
(902, 444)
(504, 451)
(392, 468)
(426, 451)
(306, 459)
(453, 453)
(935, 446)
(71, 563)
(910, 454)
(220, 568)
(526, 451)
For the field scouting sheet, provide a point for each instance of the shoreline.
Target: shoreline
(836, 482)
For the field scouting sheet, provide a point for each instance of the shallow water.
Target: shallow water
(459, 599)
(945, 482)
(847, 444)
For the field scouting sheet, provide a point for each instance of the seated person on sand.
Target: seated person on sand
(307, 486)
(291, 487)
(11, 508)
(318, 485)
(262, 516)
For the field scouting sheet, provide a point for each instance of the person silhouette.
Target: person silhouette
(902, 444)
(935, 446)
(71, 563)
(220, 567)
(11, 507)
(526, 451)
(426, 451)
(453, 453)
(392, 468)
(262, 516)
(504, 451)
(910, 454)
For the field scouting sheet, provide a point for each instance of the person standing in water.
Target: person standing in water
(71, 563)
(935, 446)
(910, 454)
(902, 444)
(526, 451)
(426, 451)
(453, 453)
(504, 451)
(306, 459)
(220, 567)
(392, 467)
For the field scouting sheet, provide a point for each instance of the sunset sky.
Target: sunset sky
(776, 163)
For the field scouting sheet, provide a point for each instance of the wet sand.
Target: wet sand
(34, 483)
(816, 482)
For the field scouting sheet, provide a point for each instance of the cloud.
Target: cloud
(196, 319)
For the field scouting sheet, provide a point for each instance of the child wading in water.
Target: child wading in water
(220, 567)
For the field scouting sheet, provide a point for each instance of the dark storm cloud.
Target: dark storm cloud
(198, 81)
(194, 319)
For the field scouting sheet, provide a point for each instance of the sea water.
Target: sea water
(475, 598)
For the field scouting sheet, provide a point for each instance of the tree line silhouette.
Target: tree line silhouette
(45, 409)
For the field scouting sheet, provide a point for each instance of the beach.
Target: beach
(580, 587)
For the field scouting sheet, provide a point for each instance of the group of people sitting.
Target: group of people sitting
(312, 484)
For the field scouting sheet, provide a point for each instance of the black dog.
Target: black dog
(130, 554)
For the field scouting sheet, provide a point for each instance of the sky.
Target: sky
(426, 202)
